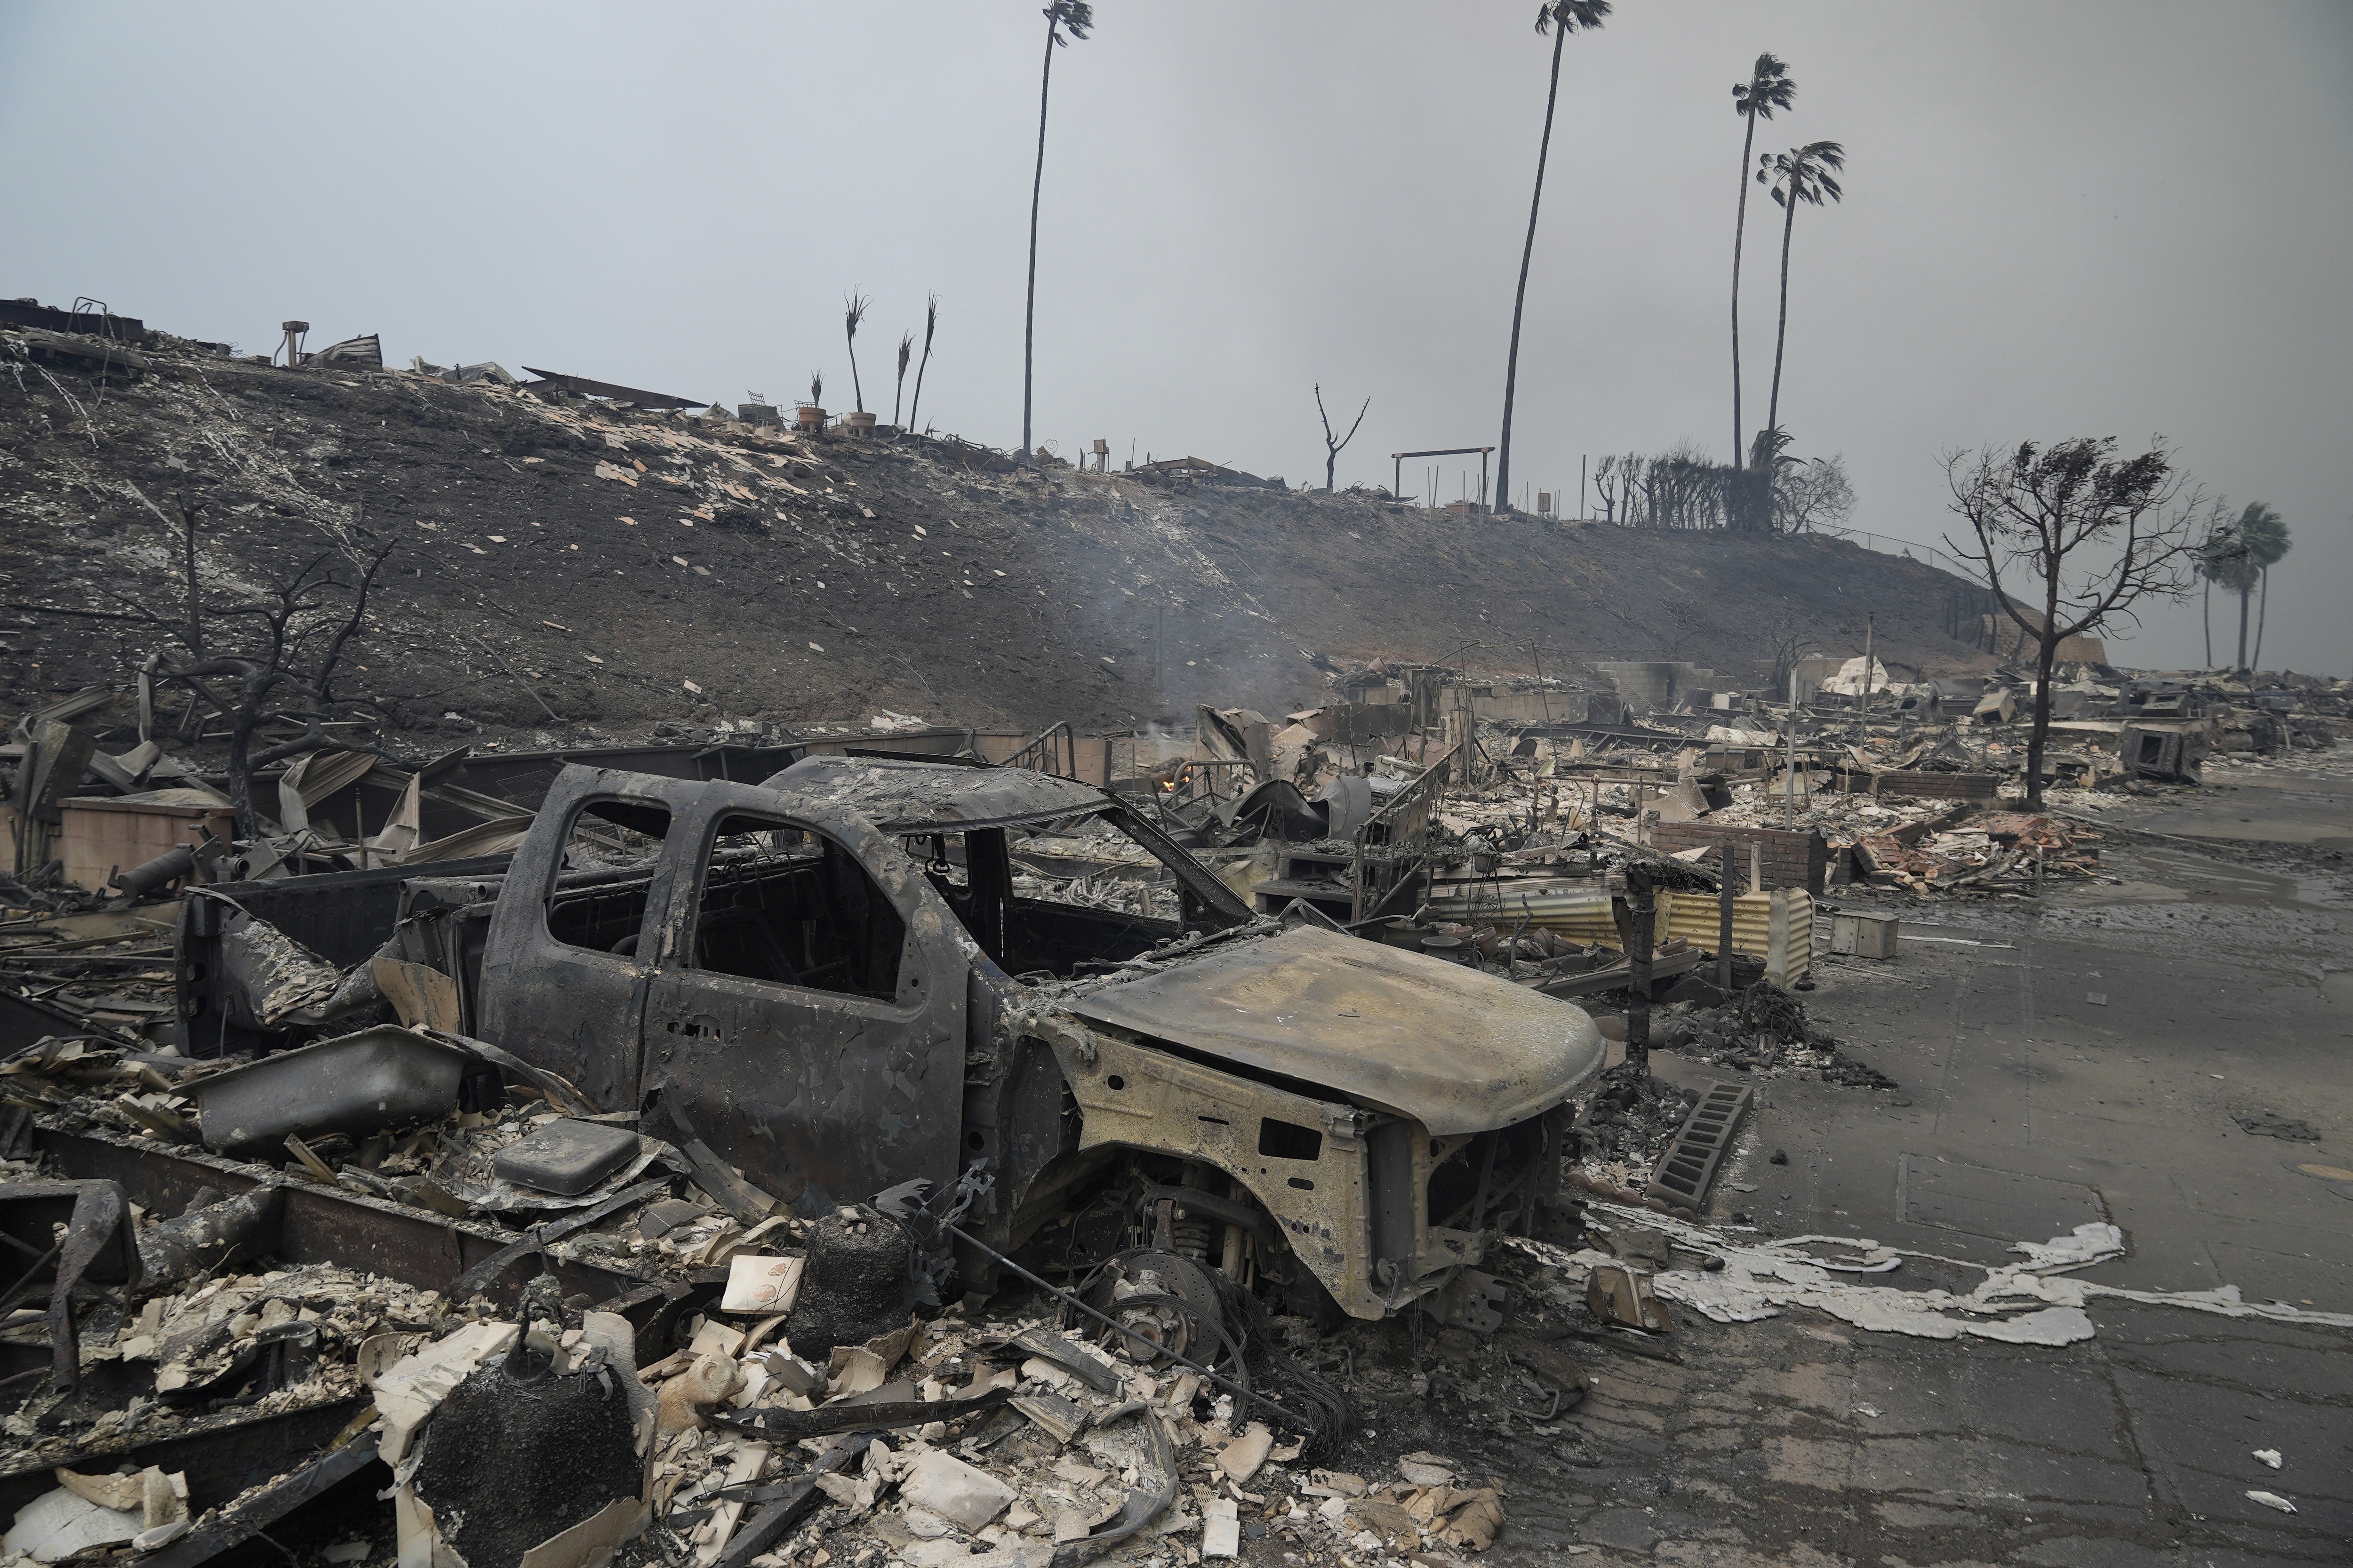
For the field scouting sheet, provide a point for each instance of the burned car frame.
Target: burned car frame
(839, 982)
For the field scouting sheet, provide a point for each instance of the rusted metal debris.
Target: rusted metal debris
(589, 387)
(399, 1191)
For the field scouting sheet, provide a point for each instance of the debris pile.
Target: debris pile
(1627, 1122)
(1765, 1031)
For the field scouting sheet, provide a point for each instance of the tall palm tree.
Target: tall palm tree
(1078, 16)
(2221, 559)
(2262, 537)
(1566, 16)
(1807, 174)
(1769, 88)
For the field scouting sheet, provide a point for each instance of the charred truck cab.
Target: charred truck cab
(848, 976)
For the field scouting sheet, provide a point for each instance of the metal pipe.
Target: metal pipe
(1396, 460)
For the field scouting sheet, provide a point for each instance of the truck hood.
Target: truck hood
(1455, 1049)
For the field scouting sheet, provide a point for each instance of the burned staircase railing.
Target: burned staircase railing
(1053, 749)
(1392, 843)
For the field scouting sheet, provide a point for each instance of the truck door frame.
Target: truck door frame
(570, 1009)
(821, 1098)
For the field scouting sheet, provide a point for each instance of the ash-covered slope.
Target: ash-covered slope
(563, 557)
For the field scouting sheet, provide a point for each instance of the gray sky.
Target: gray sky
(2106, 217)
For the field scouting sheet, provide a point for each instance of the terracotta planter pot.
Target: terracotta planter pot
(859, 421)
(810, 416)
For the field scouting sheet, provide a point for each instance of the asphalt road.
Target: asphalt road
(2089, 1056)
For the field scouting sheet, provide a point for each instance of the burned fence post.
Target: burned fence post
(1726, 901)
(1644, 907)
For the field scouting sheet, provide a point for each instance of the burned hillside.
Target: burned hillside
(559, 560)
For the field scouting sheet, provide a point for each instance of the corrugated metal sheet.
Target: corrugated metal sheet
(1777, 926)
(1578, 910)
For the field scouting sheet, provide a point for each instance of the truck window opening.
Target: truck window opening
(621, 839)
(792, 908)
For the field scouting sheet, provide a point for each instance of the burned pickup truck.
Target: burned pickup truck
(850, 977)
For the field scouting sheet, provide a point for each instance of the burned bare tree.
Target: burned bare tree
(282, 670)
(2086, 533)
(1608, 485)
(1815, 493)
(1332, 447)
(1788, 642)
(1685, 489)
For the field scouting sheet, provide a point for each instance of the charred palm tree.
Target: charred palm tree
(906, 353)
(1078, 16)
(853, 311)
(1769, 88)
(1559, 17)
(931, 325)
(1807, 174)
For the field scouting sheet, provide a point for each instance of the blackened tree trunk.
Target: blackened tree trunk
(1036, 191)
(1528, 254)
(2046, 655)
(1739, 233)
(2263, 611)
(1781, 332)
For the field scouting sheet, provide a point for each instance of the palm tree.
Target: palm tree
(1078, 16)
(1769, 88)
(2219, 560)
(2262, 535)
(1567, 15)
(853, 311)
(1807, 174)
(1760, 481)
(906, 353)
(931, 325)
